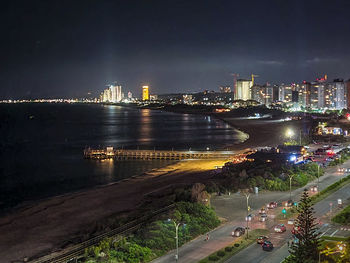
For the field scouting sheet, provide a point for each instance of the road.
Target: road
(254, 253)
(233, 208)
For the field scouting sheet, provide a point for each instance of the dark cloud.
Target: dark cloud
(68, 48)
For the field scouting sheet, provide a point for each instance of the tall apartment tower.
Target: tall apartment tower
(145, 92)
(243, 89)
(116, 93)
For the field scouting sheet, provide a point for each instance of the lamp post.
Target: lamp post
(176, 239)
(247, 218)
(290, 185)
(318, 177)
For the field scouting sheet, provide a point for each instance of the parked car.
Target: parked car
(238, 231)
(261, 239)
(280, 228)
(267, 246)
(263, 217)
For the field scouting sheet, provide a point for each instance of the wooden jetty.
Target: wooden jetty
(111, 153)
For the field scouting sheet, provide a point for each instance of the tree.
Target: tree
(306, 249)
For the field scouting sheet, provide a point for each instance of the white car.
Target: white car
(290, 221)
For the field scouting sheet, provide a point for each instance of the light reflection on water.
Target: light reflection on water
(50, 145)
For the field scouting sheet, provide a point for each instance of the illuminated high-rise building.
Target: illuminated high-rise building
(145, 92)
(107, 96)
(243, 91)
(285, 93)
(129, 95)
(116, 93)
(335, 95)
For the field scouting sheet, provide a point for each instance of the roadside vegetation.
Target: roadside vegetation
(266, 176)
(343, 217)
(156, 238)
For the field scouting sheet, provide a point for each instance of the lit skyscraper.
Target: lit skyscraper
(145, 92)
(242, 91)
(116, 93)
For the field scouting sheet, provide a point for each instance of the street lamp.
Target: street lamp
(290, 185)
(176, 238)
(318, 177)
(248, 218)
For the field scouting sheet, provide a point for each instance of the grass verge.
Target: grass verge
(333, 238)
(239, 244)
(343, 217)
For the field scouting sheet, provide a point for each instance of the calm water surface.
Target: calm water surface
(41, 145)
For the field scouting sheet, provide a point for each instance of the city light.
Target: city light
(289, 133)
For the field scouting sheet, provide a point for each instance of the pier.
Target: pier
(111, 153)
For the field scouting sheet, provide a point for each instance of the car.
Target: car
(313, 188)
(280, 228)
(267, 246)
(341, 170)
(288, 203)
(262, 210)
(238, 231)
(271, 205)
(263, 217)
(261, 239)
(347, 170)
(295, 229)
(249, 217)
(290, 221)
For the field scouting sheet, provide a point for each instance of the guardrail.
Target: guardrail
(78, 250)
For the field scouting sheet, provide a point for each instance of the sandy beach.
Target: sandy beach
(40, 228)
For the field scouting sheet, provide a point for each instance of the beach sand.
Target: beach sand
(42, 227)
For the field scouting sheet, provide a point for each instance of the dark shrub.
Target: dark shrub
(213, 258)
(236, 245)
(228, 249)
(220, 253)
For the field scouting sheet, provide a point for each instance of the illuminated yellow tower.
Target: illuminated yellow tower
(145, 94)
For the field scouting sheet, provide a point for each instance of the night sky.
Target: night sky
(70, 48)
